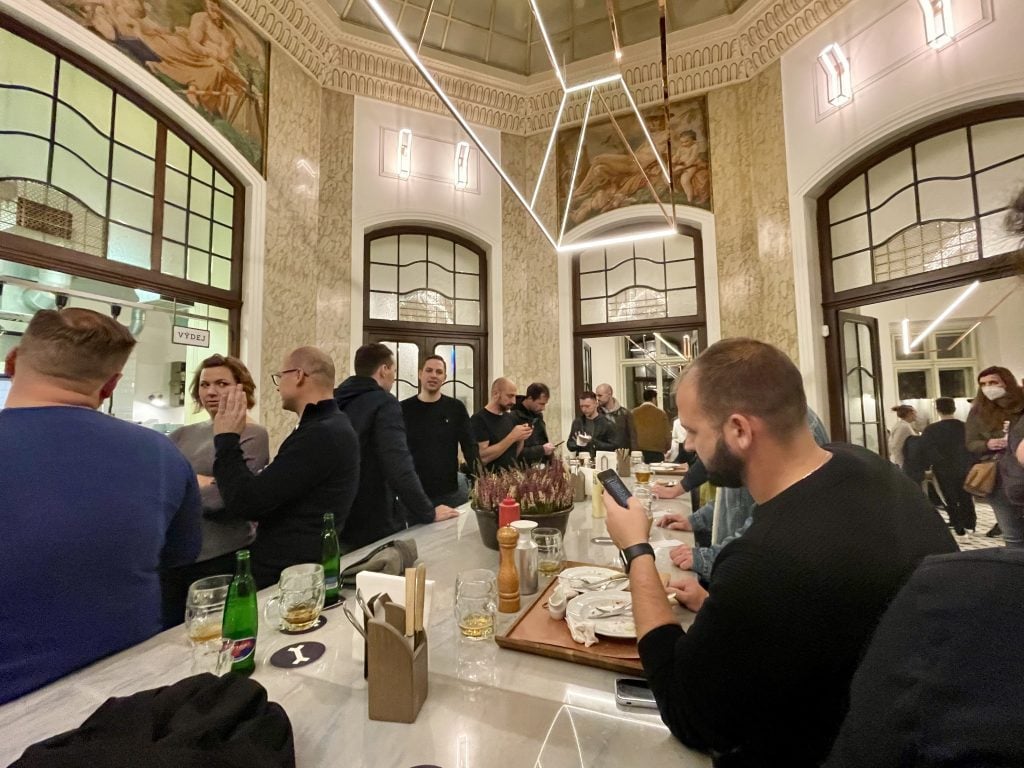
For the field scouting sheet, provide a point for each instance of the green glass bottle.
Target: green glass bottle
(330, 557)
(241, 616)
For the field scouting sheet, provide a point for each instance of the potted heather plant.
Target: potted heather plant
(544, 493)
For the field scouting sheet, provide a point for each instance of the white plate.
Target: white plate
(581, 575)
(583, 607)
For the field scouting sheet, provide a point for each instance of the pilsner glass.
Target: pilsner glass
(549, 550)
(299, 598)
(476, 603)
(204, 612)
(643, 473)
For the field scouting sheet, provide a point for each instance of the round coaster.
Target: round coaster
(297, 655)
(319, 623)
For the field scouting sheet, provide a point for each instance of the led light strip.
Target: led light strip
(550, 149)
(630, 237)
(945, 313)
(547, 44)
(576, 164)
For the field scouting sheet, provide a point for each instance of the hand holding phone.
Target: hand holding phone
(616, 488)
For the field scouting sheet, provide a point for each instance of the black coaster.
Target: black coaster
(297, 655)
(319, 623)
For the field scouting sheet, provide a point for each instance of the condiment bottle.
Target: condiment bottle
(508, 511)
(508, 576)
(526, 556)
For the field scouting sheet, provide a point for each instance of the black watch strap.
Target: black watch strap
(630, 554)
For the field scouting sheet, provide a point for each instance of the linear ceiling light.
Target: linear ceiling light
(610, 7)
(945, 313)
(462, 165)
(404, 153)
(905, 335)
(629, 237)
(547, 44)
(938, 22)
(837, 69)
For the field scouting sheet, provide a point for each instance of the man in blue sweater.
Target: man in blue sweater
(92, 507)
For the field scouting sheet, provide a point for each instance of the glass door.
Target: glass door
(862, 382)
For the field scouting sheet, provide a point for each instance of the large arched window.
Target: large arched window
(426, 294)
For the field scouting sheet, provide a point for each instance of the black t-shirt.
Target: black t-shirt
(765, 669)
(492, 429)
(435, 431)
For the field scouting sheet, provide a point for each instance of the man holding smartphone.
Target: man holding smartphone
(762, 676)
(529, 410)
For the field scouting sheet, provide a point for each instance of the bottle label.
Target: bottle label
(242, 648)
(330, 582)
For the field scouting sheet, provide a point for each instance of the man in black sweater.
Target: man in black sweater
(386, 470)
(437, 426)
(529, 409)
(316, 470)
(762, 677)
(943, 447)
(498, 437)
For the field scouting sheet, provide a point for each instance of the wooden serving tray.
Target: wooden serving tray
(536, 632)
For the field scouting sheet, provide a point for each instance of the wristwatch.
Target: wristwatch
(629, 554)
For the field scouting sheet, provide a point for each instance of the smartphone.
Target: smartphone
(615, 487)
(633, 692)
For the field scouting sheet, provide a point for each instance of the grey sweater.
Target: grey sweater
(195, 441)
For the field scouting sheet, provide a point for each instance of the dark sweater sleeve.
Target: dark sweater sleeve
(303, 460)
(467, 439)
(695, 476)
(392, 450)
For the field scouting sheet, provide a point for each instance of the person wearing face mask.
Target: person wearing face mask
(996, 409)
(215, 376)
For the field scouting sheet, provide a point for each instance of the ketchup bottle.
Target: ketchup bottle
(508, 511)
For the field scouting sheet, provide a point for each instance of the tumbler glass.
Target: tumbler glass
(204, 613)
(549, 550)
(299, 599)
(476, 603)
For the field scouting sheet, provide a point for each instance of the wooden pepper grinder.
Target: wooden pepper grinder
(508, 576)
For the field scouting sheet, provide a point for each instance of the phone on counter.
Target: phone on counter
(633, 692)
(615, 487)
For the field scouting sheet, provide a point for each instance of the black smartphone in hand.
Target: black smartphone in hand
(615, 487)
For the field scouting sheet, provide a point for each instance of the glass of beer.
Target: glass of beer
(299, 598)
(204, 612)
(549, 550)
(643, 473)
(476, 603)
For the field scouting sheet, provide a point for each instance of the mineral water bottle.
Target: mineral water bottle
(241, 617)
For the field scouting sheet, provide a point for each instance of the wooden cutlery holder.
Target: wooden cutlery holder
(396, 666)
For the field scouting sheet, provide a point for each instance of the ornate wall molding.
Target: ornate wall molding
(313, 35)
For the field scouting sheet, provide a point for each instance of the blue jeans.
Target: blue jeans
(1009, 516)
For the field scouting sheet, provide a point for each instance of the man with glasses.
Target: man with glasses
(315, 471)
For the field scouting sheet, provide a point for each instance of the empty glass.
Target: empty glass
(549, 550)
(476, 603)
(299, 599)
(204, 613)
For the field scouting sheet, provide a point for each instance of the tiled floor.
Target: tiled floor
(978, 539)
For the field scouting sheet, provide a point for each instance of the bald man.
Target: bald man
(315, 471)
(498, 436)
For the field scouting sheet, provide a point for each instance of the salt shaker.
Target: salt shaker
(526, 556)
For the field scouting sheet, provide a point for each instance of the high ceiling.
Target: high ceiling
(503, 33)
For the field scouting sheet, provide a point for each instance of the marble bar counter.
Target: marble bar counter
(487, 706)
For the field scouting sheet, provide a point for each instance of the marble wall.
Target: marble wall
(751, 203)
(529, 277)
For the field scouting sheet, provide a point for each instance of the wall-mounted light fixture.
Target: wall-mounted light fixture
(462, 165)
(837, 69)
(404, 153)
(938, 22)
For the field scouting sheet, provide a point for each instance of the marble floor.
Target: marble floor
(977, 539)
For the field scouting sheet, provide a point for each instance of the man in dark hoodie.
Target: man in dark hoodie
(386, 469)
(529, 409)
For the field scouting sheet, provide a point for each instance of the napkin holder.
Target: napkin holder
(396, 678)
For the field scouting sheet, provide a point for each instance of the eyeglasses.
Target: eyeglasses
(276, 377)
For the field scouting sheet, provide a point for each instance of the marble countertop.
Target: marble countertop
(487, 706)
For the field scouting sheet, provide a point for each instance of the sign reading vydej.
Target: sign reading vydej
(190, 337)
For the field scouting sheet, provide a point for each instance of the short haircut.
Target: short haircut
(650, 394)
(315, 363)
(428, 358)
(238, 371)
(945, 405)
(77, 345)
(370, 357)
(588, 395)
(537, 390)
(500, 383)
(753, 378)
(902, 411)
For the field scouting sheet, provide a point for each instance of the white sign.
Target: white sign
(190, 337)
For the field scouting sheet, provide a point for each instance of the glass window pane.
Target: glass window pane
(441, 252)
(131, 207)
(384, 250)
(897, 214)
(620, 253)
(851, 200)
(440, 280)
(79, 180)
(944, 341)
(198, 266)
(90, 97)
(220, 273)
(173, 259)
(25, 111)
(620, 278)
(198, 232)
(945, 155)
(201, 169)
(681, 303)
(466, 260)
(467, 312)
(383, 306)
(413, 276)
(593, 311)
(223, 208)
(24, 157)
(133, 169)
(177, 153)
(201, 199)
(956, 382)
(383, 278)
(888, 176)
(998, 186)
(912, 385)
(592, 285)
(222, 184)
(946, 199)
(851, 272)
(222, 241)
(23, 63)
(996, 141)
(75, 133)
(174, 222)
(467, 286)
(650, 275)
(681, 274)
(995, 240)
(128, 246)
(412, 248)
(176, 188)
(134, 128)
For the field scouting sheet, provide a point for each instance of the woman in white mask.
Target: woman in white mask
(997, 406)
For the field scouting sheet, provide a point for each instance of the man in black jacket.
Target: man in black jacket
(592, 431)
(529, 409)
(316, 470)
(386, 469)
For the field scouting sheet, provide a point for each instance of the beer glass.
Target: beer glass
(642, 472)
(476, 603)
(204, 612)
(549, 550)
(299, 598)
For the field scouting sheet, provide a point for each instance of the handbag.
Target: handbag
(981, 478)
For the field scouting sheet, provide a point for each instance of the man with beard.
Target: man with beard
(498, 437)
(437, 426)
(762, 676)
(621, 418)
(529, 409)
